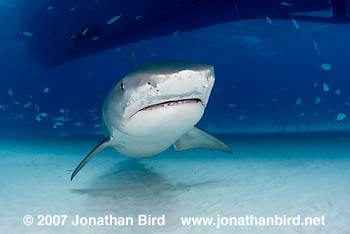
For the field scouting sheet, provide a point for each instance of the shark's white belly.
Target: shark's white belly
(141, 148)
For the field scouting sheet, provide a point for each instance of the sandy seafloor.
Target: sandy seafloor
(267, 174)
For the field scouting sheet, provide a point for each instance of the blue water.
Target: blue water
(284, 153)
(261, 69)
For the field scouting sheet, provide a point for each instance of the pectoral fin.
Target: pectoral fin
(197, 137)
(97, 149)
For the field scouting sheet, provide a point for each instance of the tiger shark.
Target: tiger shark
(156, 106)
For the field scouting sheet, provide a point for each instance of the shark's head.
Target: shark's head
(159, 99)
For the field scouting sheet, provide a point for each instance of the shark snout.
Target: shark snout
(158, 86)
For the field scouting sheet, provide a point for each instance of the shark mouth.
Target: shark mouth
(171, 103)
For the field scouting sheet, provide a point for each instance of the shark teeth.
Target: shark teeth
(171, 103)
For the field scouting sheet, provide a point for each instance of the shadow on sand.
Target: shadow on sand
(131, 184)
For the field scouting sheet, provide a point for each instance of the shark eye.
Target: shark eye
(122, 86)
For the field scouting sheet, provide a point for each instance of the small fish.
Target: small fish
(341, 116)
(113, 19)
(317, 100)
(10, 92)
(274, 99)
(231, 105)
(285, 4)
(241, 117)
(72, 9)
(325, 87)
(27, 105)
(97, 125)
(299, 102)
(235, 6)
(40, 116)
(268, 20)
(49, 8)
(37, 108)
(175, 33)
(295, 23)
(95, 38)
(78, 124)
(326, 66)
(61, 119)
(28, 34)
(338, 92)
(58, 123)
(301, 114)
(316, 47)
(315, 84)
(85, 31)
(46, 90)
